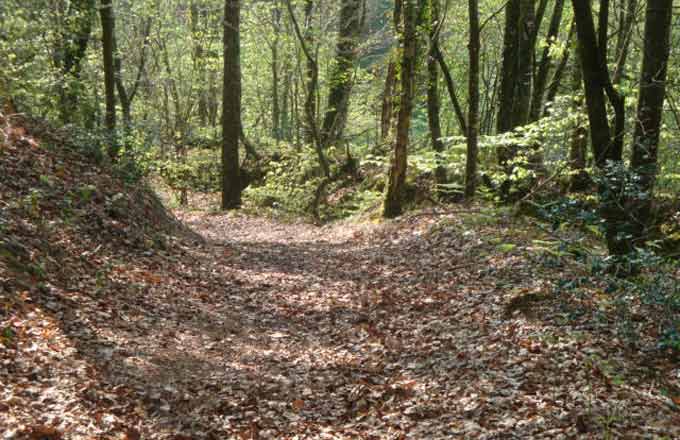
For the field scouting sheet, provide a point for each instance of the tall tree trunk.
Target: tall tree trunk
(388, 101)
(625, 36)
(70, 52)
(579, 137)
(524, 63)
(312, 76)
(312, 83)
(473, 99)
(606, 150)
(276, 109)
(199, 64)
(650, 107)
(450, 86)
(285, 111)
(231, 106)
(433, 94)
(124, 97)
(108, 43)
(509, 72)
(544, 64)
(335, 118)
(516, 79)
(391, 90)
(556, 80)
(397, 173)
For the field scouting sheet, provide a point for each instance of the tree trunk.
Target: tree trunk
(544, 65)
(341, 79)
(579, 138)
(199, 63)
(516, 80)
(391, 90)
(312, 82)
(312, 76)
(524, 63)
(433, 94)
(624, 38)
(108, 43)
(231, 107)
(509, 72)
(69, 54)
(559, 71)
(450, 87)
(276, 109)
(473, 99)
(124, 97)
(650, 108)
(397, 172)
(388, 101)
(607, 153)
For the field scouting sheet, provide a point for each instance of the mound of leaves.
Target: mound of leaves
(64, 220)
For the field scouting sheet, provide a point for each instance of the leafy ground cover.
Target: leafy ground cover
(119, 322)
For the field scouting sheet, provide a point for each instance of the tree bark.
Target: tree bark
(473, 101)
(624, 38)
(69, 54)
(341, 79)
(579, 137)
(276, 110)
(433, 119)
(231, 106)
(397, 172)
(108, 43)
(606, 150)
(312, 83)
(124, 97)
(544, 64)
(388, 101)
(650, 108)
(450, 87)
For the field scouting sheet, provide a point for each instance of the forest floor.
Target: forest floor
(437, 325)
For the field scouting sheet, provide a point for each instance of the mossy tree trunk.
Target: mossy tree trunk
(397, 173)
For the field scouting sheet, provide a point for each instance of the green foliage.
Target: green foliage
(290, 184)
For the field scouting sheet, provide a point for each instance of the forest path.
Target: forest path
(399, 330)
(428, 327)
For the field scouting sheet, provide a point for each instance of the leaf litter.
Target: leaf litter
(124, 324)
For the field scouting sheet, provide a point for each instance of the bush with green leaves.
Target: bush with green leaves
(290, 183)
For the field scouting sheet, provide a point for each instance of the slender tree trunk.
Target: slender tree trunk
(650, 107)
(606, 151)
(388, 101)
(433, 94)
(199, 64)
(554, 86)
(516, 79)
(124, 97)
(544, 64)
(624, 38)
(285, 111)
(231, 106)
(312, 76)
(524, 63)
(341, 80)
(312, 83)
(397, 173)
(579, 138)
(69, 54)
(450, 87)
(509, 72)
(108, 43)
(276, 110)
(473, 99)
